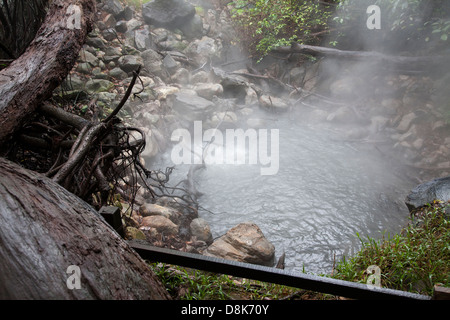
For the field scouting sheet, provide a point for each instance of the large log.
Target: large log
(408, 64)
(32, 77)
(45, 229)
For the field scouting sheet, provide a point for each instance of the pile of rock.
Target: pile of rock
(176, 44)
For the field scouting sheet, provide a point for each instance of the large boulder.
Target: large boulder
(168, 13)
(436, 189)
(245, 243)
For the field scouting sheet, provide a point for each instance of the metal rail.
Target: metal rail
(272, 275)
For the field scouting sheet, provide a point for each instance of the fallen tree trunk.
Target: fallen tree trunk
(31, 78)
(401, 63)
(45, 229)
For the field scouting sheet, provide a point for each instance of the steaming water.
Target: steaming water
(324, 193)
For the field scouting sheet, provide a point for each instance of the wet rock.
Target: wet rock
(88, 57)
(208, 90)
(191, 106)
(133, 24)
(151, 209)
(129, 63)
(170, 64)
(200, 77)
(343, 115)
(163, 92)
(193, 28)
(246, 243)
(121, 26)
(181, 76)
(167, 13)
(203, 50)
(118, 73)
(153, 62)
(109, 34)
(273, 104)
(134, 233)
(143, 39)
(406, 122)
(99, 85)
(200, 229)
(161, 224)
(113, 6)
(436, 189)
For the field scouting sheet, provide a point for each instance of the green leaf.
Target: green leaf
(444, 37)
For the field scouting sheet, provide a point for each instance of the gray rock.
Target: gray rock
(191, 106)
(88, 57)
(193, 28)
(167, 13)
(203, 50)
(245, 243)
(133, 24)
(118, 74)
(96, 42)
(129, 63)
(153, 62)
(109, 34)
(99, 85)
(121, 26)
(273, 104)
(142, 39)
(113, 6)
(170, 64)
(200, 229)
(208, 90)
(436, 189)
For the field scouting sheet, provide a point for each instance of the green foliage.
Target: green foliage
(413, 261)
(420, 23)
(265, 24)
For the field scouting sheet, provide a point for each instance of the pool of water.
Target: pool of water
(325, 192)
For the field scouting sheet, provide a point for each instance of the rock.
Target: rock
(203, 50)
(181, 76)
(273, 103)
(191, 106)
(113, 6)
(129, 63)
(343, 115)
(200, 77)
(99, 85)
(142, 39)
(153, 62)
(406, 121)
(109, 34)
(200, 229)
(121, 26)
(170, 64)
(163, 92)
(245, 243)
(88, 57)
(96, 42)
(108, 21)
(134, 233)
(208, 90)
(133, 24)
(118, 74)
(151, 209)
(193, 28)
(436, 189)
(167, 13)
(161, 224)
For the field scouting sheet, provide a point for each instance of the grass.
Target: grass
(414, 261)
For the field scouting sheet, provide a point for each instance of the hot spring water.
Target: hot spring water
(326, 191)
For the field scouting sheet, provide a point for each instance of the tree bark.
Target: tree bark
(45, 229)
(31, 78)
(401, 63)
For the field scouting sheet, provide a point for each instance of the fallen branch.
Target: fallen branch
(402, 63)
